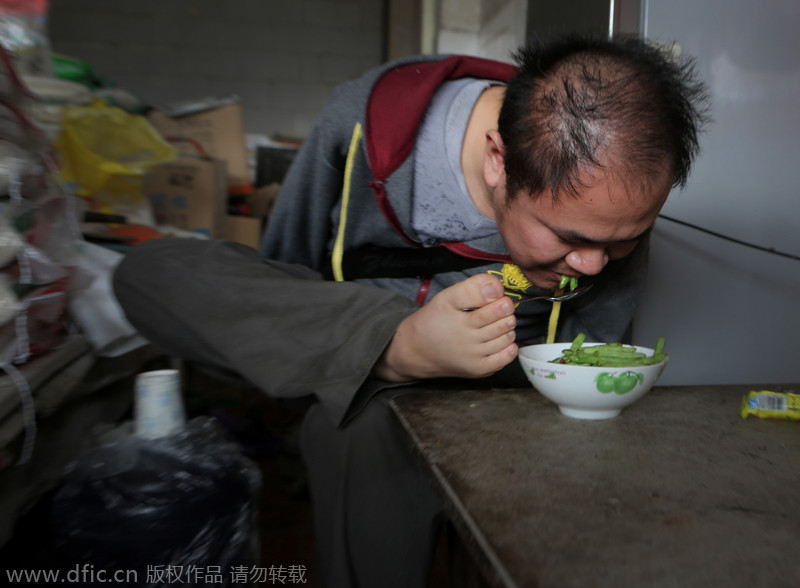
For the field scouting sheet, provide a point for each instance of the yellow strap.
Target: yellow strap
(338, 245)
(551, 328)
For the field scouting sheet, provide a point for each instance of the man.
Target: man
(428, 186)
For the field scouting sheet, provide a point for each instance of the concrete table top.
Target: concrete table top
(677, 491)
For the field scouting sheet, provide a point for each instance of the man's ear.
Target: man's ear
(494, 171)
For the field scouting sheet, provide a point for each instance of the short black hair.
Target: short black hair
(579, 103)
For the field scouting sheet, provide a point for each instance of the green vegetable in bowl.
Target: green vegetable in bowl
(609, 354)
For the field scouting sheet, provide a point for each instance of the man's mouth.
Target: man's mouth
(557, 275)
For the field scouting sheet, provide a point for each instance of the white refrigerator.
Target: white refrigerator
(730, 312)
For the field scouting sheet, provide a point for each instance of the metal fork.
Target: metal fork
(560, 298)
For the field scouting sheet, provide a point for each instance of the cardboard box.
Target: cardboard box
(218, 128)
(244, 229)
(263, 200)
(190, 193)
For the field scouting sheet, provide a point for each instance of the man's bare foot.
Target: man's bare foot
(441, 340)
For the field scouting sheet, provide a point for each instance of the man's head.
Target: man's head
(592, 136)
(581, 103)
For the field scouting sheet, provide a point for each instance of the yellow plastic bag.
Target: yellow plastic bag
(105, 153)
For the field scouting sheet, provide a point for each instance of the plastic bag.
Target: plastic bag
(40, 286)
(23, 30)
(18, 168)
(11, 242)
(93, 305)
(105, 152)
(40, 323)
(187, 500)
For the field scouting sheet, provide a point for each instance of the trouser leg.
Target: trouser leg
(279, 327)
(377, 516)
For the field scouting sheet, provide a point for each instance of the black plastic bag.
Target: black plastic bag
(178, 511)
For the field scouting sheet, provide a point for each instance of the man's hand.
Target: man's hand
(441, 340)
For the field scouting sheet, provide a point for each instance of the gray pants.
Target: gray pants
(377, 518)
(291, 335)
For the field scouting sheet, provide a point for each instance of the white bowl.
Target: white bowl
(587, 392)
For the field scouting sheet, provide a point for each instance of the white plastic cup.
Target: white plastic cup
(158, 404)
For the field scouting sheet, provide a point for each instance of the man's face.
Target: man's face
(577, 236)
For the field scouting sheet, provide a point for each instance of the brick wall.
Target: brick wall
(281, 57)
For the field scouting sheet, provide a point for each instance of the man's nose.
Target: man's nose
(588, 260)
